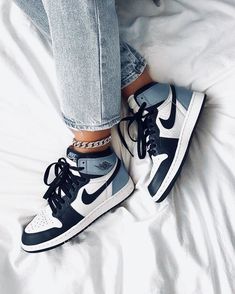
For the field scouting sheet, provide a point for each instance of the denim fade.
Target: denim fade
(92, 64)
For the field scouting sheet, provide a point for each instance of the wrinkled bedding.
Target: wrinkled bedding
(185, 245)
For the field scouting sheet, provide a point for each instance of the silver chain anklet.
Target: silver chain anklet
(95, 144)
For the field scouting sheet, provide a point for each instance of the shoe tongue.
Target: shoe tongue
(152, 94)
(94, 164)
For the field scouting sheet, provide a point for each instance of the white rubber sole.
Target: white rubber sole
(110, 203)
(183, 144)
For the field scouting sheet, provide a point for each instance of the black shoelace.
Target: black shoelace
(64, 181)
(147, 131)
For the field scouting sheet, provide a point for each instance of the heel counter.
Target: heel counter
(184, 96)
(120, 180)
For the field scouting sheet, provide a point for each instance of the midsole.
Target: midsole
(91, 217)
(184, 139)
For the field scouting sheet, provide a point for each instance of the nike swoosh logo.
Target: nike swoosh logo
(169, 123)
(89, 198)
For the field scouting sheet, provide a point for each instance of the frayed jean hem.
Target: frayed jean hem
(135, 74)
(73, 124)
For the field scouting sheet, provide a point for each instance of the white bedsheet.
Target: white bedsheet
(184, 245)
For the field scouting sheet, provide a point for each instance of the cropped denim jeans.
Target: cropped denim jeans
(92, 64)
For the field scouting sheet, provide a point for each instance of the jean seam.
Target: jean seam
(100, 56)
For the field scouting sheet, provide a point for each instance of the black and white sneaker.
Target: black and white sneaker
(79, 194)
(166, 116)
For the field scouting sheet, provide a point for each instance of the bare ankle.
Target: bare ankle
(142, 81)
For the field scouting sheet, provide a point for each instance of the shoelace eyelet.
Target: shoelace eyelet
(63, 182)
(147, 130)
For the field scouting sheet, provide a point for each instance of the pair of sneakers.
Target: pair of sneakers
(87, 186)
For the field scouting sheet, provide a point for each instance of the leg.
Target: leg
(143, 80)
(161, 136)
(91, 69)
(132, 66)
(132, 78)
(88, 69)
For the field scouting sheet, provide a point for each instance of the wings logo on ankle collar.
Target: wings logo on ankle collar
(88, 198)
(104, 165)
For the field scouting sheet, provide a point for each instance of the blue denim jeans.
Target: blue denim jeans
(92, 64)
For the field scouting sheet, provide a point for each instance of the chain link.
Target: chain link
(94, 144)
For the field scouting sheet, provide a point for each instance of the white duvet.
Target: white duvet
(184, 245)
